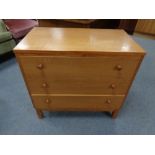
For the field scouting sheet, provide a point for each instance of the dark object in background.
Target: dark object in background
(16, 29)
(7, 43)
(20, 27)
(6, 56)
(127, 24)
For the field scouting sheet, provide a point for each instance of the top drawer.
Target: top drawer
(79, 75)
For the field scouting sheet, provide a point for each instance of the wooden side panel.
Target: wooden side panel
(146, 26)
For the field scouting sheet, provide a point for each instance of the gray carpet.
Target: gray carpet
(136, 117)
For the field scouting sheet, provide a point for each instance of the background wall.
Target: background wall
(146, 26)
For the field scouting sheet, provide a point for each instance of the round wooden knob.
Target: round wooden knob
(47, 100)
(119, 67)
(108, 101)
(113, 86)
(40, 66)
(44, 85)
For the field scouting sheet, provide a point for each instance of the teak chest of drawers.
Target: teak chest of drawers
(69, 69)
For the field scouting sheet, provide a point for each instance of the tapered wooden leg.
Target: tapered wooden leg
(115, 113)
(40, 113)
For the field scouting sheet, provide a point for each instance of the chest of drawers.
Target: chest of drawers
(78, 69)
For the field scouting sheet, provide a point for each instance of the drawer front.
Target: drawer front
(75, 103)
(79, 75)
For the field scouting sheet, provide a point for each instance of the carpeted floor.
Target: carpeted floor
(136, 117)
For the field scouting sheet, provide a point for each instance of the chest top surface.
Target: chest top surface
(78, 40)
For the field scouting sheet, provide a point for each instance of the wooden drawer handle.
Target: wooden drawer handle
(47, 100)
(119, 67)
(44, 85)
(113, 86)
(108, 101)
(40, 66)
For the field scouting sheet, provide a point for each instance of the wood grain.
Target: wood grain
(78, 40)
(77, 103)
(146, 26)
(78, 75)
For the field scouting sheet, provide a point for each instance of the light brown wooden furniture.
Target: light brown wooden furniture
(69, 69)
(146, 26)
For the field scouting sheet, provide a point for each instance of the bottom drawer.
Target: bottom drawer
(78, 103)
